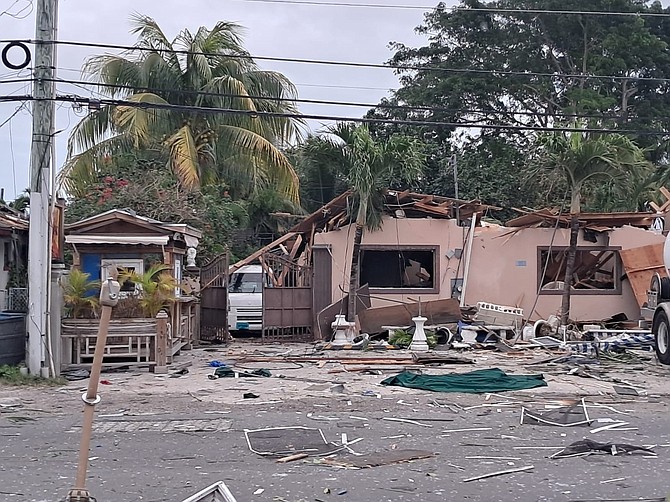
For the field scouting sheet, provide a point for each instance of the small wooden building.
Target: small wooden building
(133, 242)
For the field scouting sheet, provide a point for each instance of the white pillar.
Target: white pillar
(419, 342)
(37, 284)
(343, 330)
(41, 160)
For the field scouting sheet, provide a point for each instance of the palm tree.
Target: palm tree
(206, 69)
(79, 294)
(369, 166)
(156, 287)
(582, 158)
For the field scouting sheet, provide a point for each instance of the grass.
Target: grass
(12, 376)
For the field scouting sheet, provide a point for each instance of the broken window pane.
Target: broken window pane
(597, 270)
(403, 268)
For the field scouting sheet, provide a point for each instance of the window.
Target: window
(597, 270)
(246, 282)
(400, 268)
(136, 266)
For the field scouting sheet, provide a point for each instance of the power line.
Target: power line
(8, 119)
(17, 15)
(82, 83)
(462, 9)
(296, 84)
(254, 113)
(355, 64)
(366, 120)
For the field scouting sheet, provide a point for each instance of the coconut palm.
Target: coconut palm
(369, 167)
(195, 71)
(583, 158)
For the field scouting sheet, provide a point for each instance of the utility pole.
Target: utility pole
(40, 181)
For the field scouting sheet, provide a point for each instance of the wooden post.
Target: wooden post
(161, 343)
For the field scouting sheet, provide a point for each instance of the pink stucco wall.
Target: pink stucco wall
(504, 265)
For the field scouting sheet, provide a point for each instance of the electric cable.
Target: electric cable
(492, 10)
(185, 92)
(249, 57)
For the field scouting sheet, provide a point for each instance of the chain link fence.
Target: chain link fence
(17, 300)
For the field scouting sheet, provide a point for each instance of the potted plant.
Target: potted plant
(79, 295)
(155, 288)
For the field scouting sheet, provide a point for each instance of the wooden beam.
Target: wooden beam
(257, 254)
(268, 271)
(294, 251)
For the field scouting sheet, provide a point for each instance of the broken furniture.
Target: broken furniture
(499, 319)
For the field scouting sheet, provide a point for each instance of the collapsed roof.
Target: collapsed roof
(338, 212)
(598, 222)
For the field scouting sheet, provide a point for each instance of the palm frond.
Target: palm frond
(184, 157)
(136, 121)
(80, 171)
(90, 131)
(115, 70)
(270, 161)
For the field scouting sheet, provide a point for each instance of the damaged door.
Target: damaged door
(287, 300)
(214, 300)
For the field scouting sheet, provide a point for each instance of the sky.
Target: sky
(339, 33)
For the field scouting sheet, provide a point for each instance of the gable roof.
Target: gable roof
(149, 225)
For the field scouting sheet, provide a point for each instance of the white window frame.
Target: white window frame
(136, 263)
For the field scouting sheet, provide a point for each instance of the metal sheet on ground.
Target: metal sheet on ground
(218, 492)
(282, 441)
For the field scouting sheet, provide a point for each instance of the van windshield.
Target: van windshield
(241, 282)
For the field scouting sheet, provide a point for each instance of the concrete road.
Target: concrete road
(166, 447)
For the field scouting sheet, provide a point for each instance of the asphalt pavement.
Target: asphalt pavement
(156, 447)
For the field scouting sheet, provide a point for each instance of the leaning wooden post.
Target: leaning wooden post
(161, 343)
(109, 297)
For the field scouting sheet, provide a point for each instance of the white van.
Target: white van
(245, 298)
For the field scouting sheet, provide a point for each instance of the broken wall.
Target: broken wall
(505, 266)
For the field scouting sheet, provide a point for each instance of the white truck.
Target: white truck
(245, 298)
(658, 299)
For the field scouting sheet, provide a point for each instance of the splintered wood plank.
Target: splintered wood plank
(378, 459)
(640, 265)
(255, 255)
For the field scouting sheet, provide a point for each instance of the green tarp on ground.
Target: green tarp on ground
(474, 382)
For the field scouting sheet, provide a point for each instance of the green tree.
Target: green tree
(206, 69)
(499, 65)
(369, 166)
(549, 61)
(139, 181)
(584, 159)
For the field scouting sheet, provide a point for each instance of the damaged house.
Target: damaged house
(437, 248)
